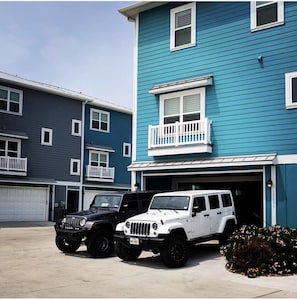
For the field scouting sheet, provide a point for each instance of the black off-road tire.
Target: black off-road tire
(125, 253)
(100, 244)
(175, 253)
(67, 246)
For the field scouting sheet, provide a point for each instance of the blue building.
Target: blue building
(53, 156)
(215, 102)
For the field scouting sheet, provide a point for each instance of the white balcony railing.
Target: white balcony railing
(99, 173)
(181, 134)
(14, 164)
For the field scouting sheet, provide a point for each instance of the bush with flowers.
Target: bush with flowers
(257, 251)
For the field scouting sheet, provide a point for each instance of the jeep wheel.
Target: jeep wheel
(67, 246)
(175, 254)
(100, 244)
(125, 253)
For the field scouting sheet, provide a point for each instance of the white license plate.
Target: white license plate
(134, 241)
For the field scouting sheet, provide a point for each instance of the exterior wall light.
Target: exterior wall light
(269, 183)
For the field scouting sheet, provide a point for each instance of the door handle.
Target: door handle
(207, 215)
(219, 213)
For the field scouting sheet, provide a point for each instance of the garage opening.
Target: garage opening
(72, 201)
(246, 189)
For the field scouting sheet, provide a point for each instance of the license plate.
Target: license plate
(134, 241)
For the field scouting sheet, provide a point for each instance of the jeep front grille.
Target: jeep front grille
(72, 222)
(140, 229)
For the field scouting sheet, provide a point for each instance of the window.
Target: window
(266, 14)
(10, 147)
(214, 201)
(200, 202)
(46, 136)
(11, 100)
(182, 106)
(126, 150)
(74, 167)
(291, 90)
(226, 199)
(99, 120)
(76, 127)
(99, 159)
(183, 26)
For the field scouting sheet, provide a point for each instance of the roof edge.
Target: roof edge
(44, 87)
(133, 10)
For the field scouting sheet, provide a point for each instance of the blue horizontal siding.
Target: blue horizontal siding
(247, 100)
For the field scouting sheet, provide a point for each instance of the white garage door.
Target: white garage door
(23, 204)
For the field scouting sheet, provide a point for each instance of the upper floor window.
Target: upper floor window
(291, 90)
(183, 26)
(76, 127)
(74, 167)
(99, 159)
(265, 14)
(183, 106)
(46, 136)
(11, 100)
(10, 147)
(99, 120)
(127, 150)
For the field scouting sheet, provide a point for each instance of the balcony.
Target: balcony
(94, 173)
(13, 166)
(180, 138)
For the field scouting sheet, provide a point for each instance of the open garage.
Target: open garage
(247, 190)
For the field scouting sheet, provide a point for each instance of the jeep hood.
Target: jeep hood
(160, 216)
(94, 214)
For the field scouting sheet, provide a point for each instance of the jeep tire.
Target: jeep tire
(125, 253)
(67, 246)
(175, 253)
(100, 244)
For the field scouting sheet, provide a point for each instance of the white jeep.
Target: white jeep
(173, 222)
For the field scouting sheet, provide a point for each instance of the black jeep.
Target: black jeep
(95, 227)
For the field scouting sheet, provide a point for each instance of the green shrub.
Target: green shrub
(262, 251)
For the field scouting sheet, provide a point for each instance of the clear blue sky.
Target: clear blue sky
(82, 46)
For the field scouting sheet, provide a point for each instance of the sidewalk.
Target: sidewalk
(19, 224)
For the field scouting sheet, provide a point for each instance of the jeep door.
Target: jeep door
(200, 220)
(215, 213)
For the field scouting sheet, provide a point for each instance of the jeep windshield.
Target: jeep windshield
(106, 201)
(170, 202)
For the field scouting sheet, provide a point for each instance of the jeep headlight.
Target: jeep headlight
(127, 224)
(82, 222)
(155, 226)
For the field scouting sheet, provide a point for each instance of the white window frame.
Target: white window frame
(73, 126)
(253, 15)
(128, 147)
(9, 90)
(43, 134)
(181, 94)
(289, 94)
(7, 140)
(173, 13)
(99, 153)
(74, 162)
(100, 112)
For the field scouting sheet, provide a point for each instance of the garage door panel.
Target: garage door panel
(23, 204)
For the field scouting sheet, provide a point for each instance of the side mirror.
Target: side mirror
(196, 210)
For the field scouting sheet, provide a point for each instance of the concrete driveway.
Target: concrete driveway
(32, 266)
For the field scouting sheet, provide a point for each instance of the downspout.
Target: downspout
(273, 195)
(82, 154)
(134, 115)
